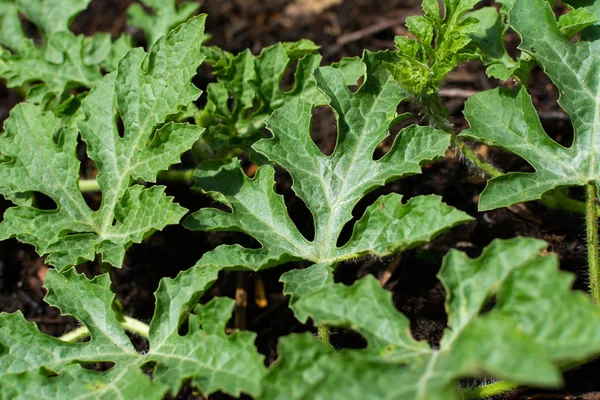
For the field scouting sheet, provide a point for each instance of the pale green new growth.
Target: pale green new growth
(329, 185)
(441, 44)
(508, 119)
(536, 325)
(165, 15)
(40, 156)
(35, 365)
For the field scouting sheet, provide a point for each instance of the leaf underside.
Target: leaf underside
(41, 156)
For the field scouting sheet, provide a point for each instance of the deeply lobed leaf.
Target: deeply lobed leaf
(508, 118)
(164, 16)
(63, 61)
(249, 89)
(536, 325)
(329, 185)
(441, 43)
(33, 364)
(145, 91)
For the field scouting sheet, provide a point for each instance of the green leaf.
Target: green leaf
(536, 325)
(299, 282)
(63, 62)
(165, 15)
(508, 118)
(330, 186)
(591, 6)
(52, 16)
(575, 21)
(440, 45)
(145, 91)
(11, 31)
(33, 364)
(249, 89)
(49, 75)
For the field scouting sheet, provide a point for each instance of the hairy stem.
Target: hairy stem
(129, 324)
(493, 389)
(324, 334)
(591, 226)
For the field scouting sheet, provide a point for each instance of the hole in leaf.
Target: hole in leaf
(386, 144)
(324, 129)
(347, 339)
(47, 372)
(149, 367)
(31, 30)
(556, 123)
(44, 202)
(120, 125)
(183, 328)
(252, 110)
(288, 79)
(231, 103)
(359, 83)
(100, 366)
(297, 209)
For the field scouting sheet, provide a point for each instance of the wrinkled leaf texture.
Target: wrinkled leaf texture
(508, 119)
(536, 325)
(330, 186)
(35, 365)
(41, 157)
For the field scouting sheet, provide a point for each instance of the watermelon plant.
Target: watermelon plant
(511, 313)
(49, 71)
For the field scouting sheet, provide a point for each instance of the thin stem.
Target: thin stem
(136, 326)
(324, 334)
(184, 176)
(493, 389)
(176, 175)
(76, 334)
(591, 226)
(88, 185)
(129, 324)
(470, 154)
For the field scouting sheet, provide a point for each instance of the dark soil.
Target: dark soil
(341, 30)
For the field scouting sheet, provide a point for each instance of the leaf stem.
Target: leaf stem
(136, 326)
(185, 175)
(88, 185)
(470, 154)
(129, 324)
(493, 389)
(75, 335)
(324, 334)
(591, 226)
